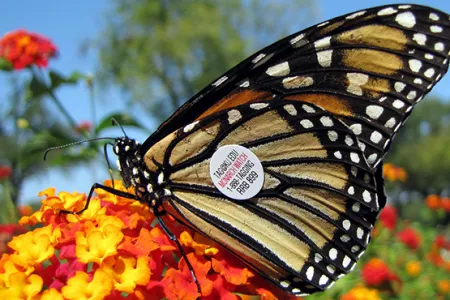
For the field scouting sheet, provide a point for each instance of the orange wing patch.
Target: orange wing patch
(235, 99)
(333, 104)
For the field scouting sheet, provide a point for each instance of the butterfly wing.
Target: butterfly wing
(312, 219)
(368, 68)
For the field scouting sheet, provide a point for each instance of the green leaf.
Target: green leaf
(36, 88)
(5, 65)
(121, 118)
(58, 79)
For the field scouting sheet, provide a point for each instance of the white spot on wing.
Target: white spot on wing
(326, 121)
(439, 46)
(258, 58)
(356, 14)
(398, 104)
(220, 81)
(281, 69)
(415, 65)
(374, 111)
(399, 86)
(189, 127)
(376, 137)
(297, 82)
(308, 109)
(366, 196)
(387, 11)
(356, 80)
(406, 19)
(434, 17)
(324, 58)
(310, 273)
(356, 128)
(245, 84)
(332, 135)
(290, 109)
(390, 123)
(233, 116)
(435, 29)
(420, 38)
(258, 106)
(306, 123)
(322, 43)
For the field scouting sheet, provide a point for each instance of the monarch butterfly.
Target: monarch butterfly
(314, 114)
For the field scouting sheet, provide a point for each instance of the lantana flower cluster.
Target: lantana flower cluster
(435, 202)
(115, 249)
(394, 173)
(22, 49)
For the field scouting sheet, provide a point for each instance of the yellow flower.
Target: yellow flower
(51, 294)
(413, 268)
(34, 246)
(126, 272)
(444, 286)
(78, 287)
(361, 293)
(96, 244)
(21, 286)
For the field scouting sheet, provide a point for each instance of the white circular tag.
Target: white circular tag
(236, 172)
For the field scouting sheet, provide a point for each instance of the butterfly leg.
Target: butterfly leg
(105, 188)
(158, 215)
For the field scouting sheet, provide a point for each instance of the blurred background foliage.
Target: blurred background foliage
(159, 53)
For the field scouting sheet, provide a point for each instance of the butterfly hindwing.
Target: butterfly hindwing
(313, 217)
(368, 68)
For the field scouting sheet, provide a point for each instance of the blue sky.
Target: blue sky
(69, 23)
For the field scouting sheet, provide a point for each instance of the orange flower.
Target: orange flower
(388, 217)
(22, 49)
(410, 238)
(394, 173)
(413, 268)
(361, 293)
(433, 201)
(376, 272)
(25, 210)
(444, 286)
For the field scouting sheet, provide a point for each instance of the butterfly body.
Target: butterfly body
(319, 109)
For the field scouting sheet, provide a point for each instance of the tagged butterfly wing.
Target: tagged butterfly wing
(368, 68)
(319, 109)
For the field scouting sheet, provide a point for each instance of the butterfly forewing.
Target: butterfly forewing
(368, 68)
(310, 222)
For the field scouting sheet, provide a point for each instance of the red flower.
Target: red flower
(5, 172)
(410, 238)
(376, 272)
(388, 217)
(23, 48)
(445, 204)
(83, 126)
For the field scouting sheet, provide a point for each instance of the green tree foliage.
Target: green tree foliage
(162, 52)
(422, 147)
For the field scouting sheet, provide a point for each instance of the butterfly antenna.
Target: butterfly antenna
(115, 122)
(73, 144)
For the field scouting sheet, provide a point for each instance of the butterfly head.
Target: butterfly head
(129, 160)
